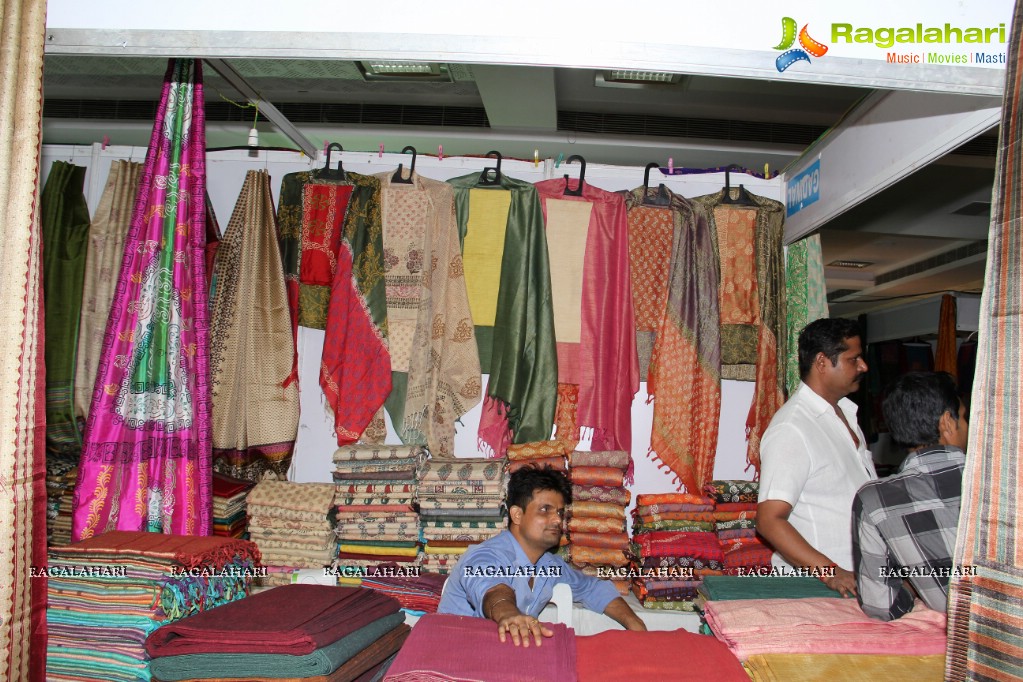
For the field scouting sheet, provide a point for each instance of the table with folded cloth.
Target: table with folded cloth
(821, 625)
(290, 523)
(106, 594)
(597, 541)
(845, 667)
(229, 506)
(461, 503)
(293, 632)
(375, 520)
(428, 654)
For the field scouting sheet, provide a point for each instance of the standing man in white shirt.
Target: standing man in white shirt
(813, 458)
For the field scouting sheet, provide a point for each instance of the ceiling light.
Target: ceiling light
(622, 78)
(378, 69)
(856, 264)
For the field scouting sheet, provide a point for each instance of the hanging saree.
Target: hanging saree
(806, 298)
(102, 267)
(680, 312)
(146, 457)
(507, 275)
(945, 358)
(255, 417)
(332, 249)
(65, 221)
(752, 305)
(435, 367)
(593, 308)
(355, 369)
(985, 606)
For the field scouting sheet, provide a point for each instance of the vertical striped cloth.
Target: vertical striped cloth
(985, 610)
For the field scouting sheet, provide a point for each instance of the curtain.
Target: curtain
(255, 417)
(102, 266)
(22, 445)
(806, 298)
(986, 609)
(146, 457)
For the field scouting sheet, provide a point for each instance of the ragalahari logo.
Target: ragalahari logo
(788, 37)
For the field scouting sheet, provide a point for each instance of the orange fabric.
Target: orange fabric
(648, 499)
(696, 413)
(650, 260)
(606, 476)
(738, 291)
(595, 524)
(768, 397)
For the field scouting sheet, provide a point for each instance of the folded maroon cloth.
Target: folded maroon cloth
(227, 486)
(292, 619)
(679, 543)
(623, 655)
(428, 656)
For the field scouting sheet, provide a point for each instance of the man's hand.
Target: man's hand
(843, 582)
(520, 628)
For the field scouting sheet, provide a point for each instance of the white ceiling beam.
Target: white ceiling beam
(268, 110)
(888, 136)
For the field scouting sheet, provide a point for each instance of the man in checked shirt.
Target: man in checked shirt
(904, 526)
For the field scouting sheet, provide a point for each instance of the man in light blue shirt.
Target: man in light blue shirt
(510, 578)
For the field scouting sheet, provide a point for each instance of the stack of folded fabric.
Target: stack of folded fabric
(597, 540)
(293, 632)
(731, 588)
(61, 477)
(845, 667)
(821, 626)
(461, 503)
(108, 593)
(229, 508)
(551, 453)
(674, 548)
(376, 523)
(735, 520)
(418, 594)
(428, 653)
(289, 521)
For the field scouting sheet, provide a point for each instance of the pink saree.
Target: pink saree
(146, 457)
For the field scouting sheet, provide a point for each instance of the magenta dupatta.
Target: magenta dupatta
(606, 366)
(146, 459)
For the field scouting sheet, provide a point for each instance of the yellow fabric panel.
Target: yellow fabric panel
(845, 667)
(445, 550)
(568, 223)
(483, 251)
(378, 550)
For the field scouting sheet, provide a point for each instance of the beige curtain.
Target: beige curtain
(22, 444)
(103, 265)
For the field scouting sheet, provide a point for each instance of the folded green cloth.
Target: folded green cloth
(323, 661)
(730, 587)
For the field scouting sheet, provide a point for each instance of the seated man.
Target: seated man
(510, 577)
(904, 526)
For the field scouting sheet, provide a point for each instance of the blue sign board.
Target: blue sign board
(803, 189)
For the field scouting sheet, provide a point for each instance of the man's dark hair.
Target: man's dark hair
(914, 405)
(526, 481)
(826, 335)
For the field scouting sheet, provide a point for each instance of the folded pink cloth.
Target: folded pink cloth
(821, 626)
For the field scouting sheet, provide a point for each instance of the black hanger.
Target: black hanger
(661, 197)
(744, 198)
(328, 172)
(411, 167)
(578, 191)
(485, 176)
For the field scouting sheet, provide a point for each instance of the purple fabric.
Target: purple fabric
(428, 654)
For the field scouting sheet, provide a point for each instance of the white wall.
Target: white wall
(316, 444)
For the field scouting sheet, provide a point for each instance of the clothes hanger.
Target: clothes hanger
(411, 167)
(661, 197)
(328, 172)
(744, 198)
(578, 191)
(485, 176)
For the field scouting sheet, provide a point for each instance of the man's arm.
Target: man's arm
(773, 523)
(499, 606)
(881, 594)
(620, 610)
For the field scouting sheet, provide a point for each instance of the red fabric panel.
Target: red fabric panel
(622, 655)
